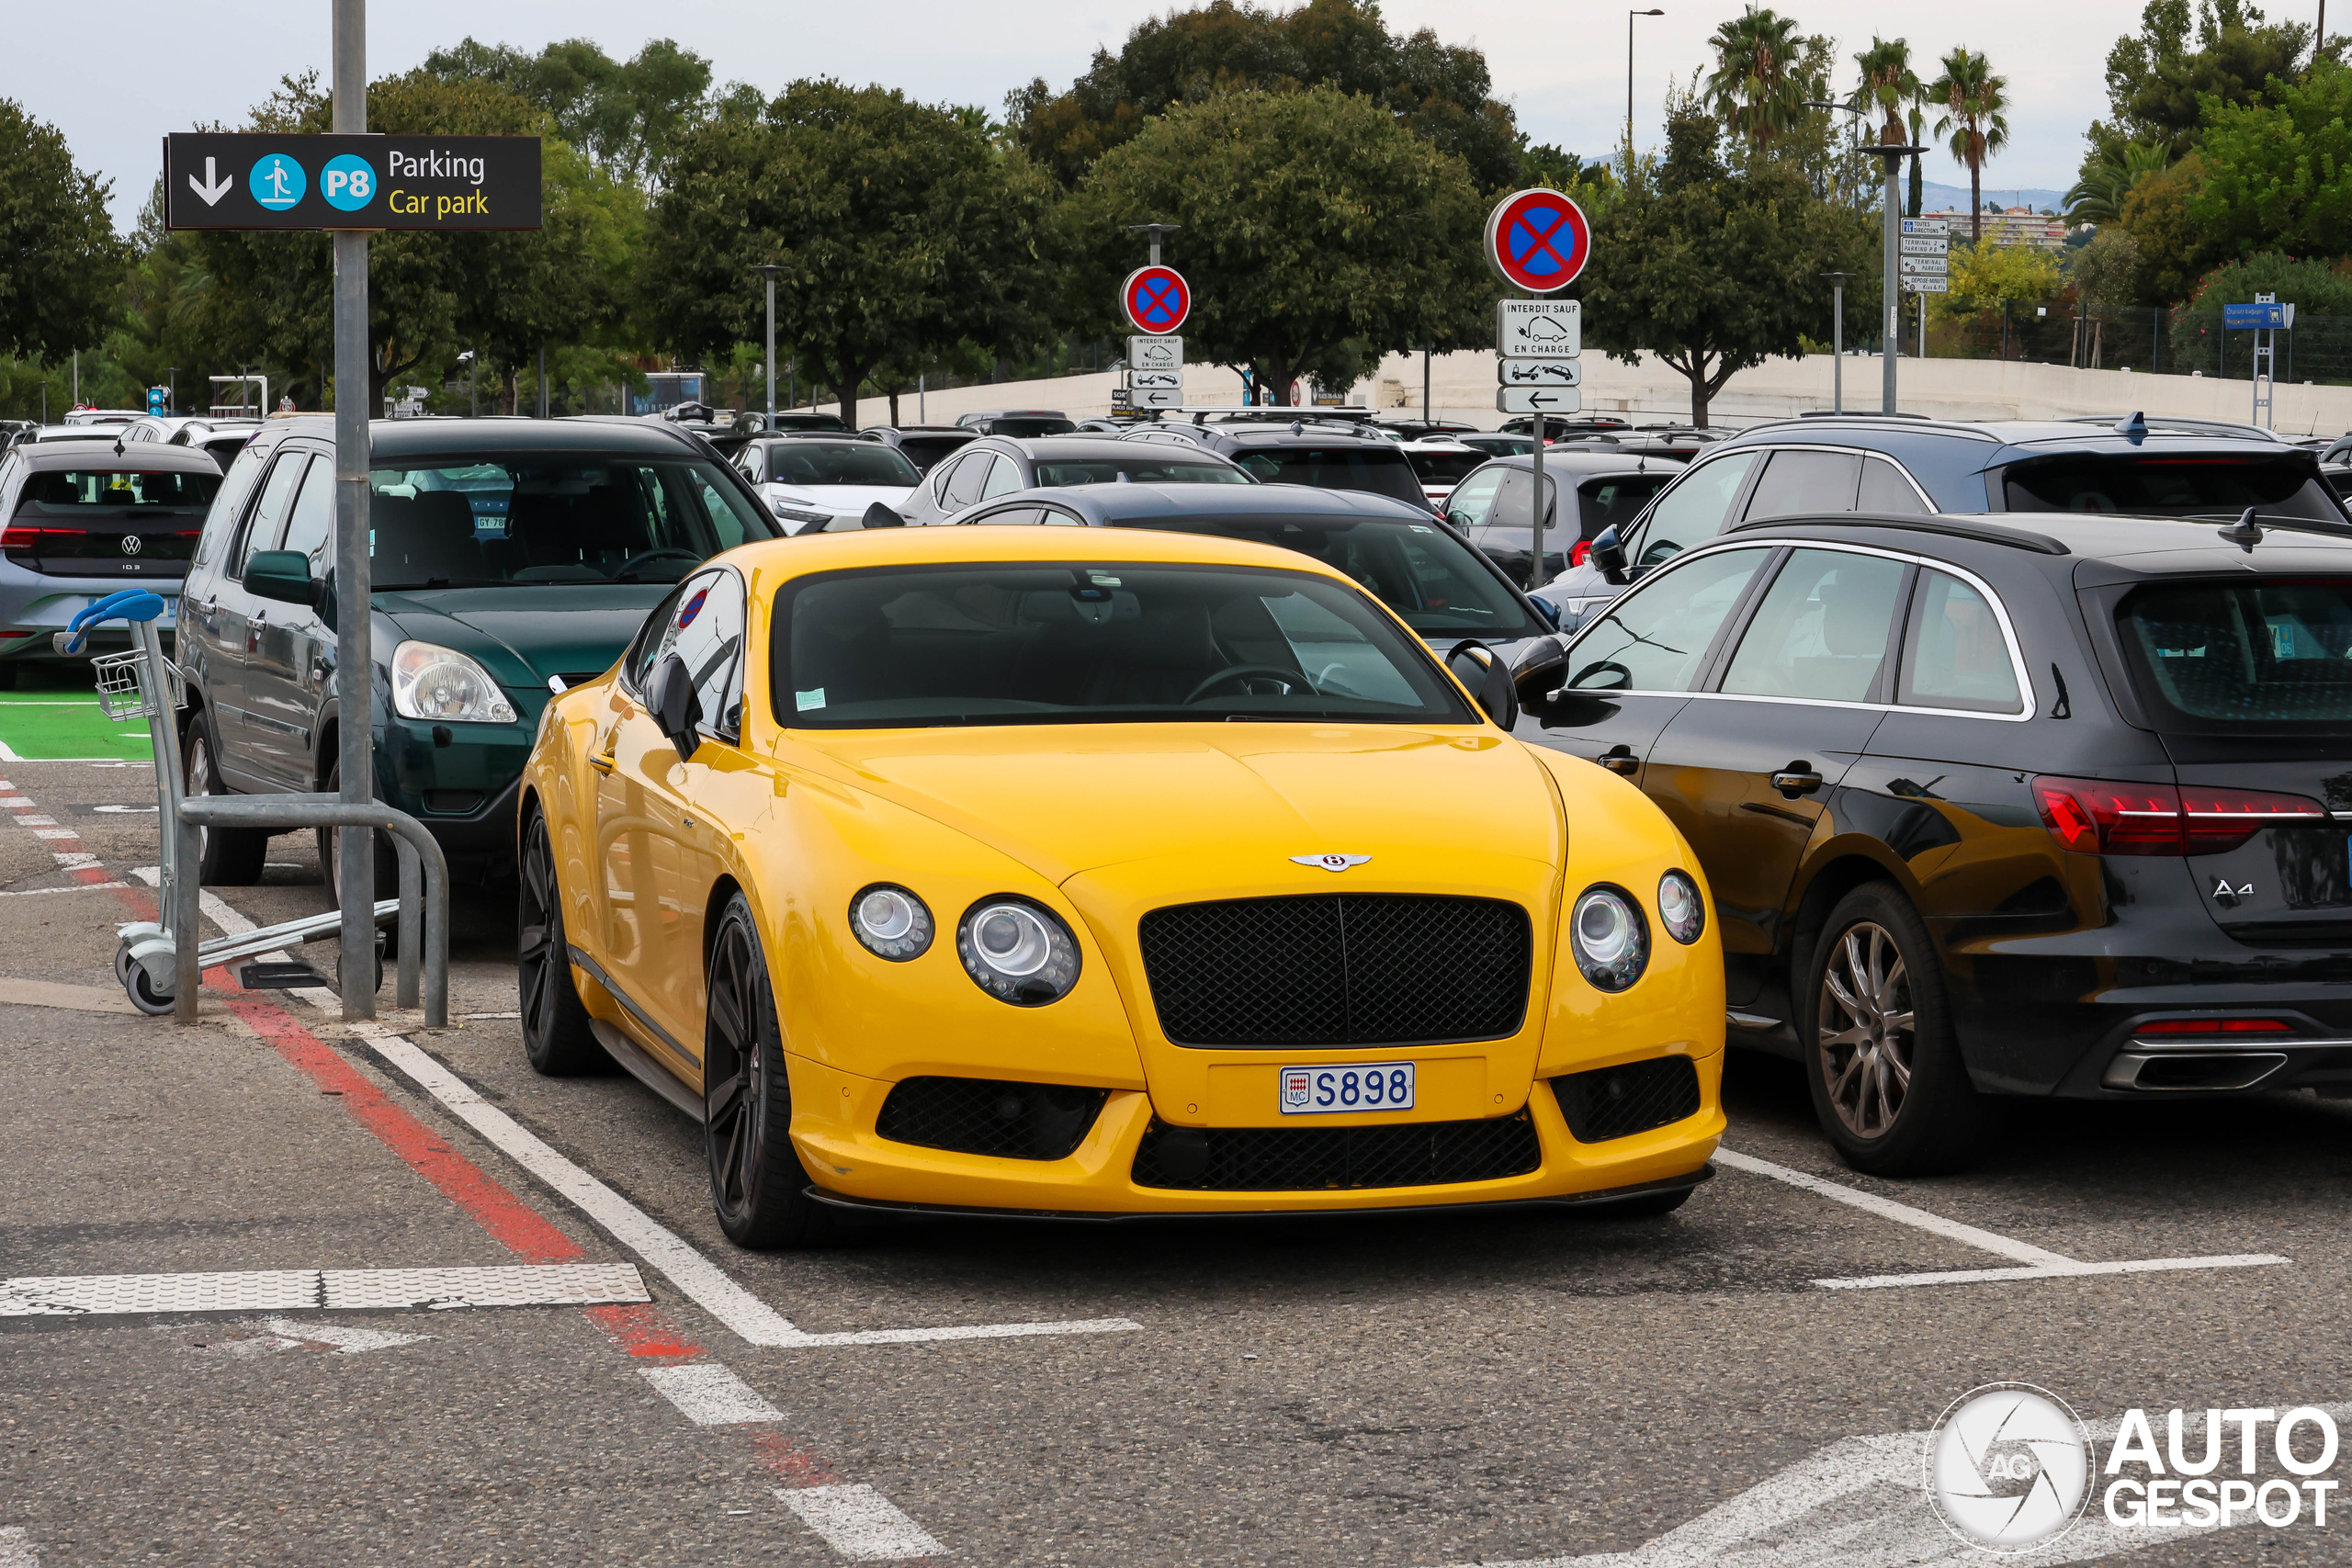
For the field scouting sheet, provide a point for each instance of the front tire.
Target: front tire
(756, 1179)
(387, 858)
(226, 857)
(1888, 1085)
(557, 1036)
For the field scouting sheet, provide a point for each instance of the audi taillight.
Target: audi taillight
(2097, 816)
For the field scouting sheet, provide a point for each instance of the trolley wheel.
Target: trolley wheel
(143, 992)
(122, 964)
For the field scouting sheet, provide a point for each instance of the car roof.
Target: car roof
(2143, 544)
(493, 437)
(1583, 460)
(152, 457)
(866, 547)
(1880, 433)
(1069, 444)
(1112, 505)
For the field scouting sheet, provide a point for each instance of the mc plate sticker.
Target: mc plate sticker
(1332, 1090)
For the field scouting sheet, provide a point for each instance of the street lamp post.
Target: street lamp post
(1838, 340)
(1891, 302)
(1155, 231)
(1629, 82)
(770, 269)
(171, 389)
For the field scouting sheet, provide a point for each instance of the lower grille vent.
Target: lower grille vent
(1617, 1102)
(1294, 1160)
(987, 1116)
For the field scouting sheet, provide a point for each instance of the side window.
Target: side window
(1014, 514)
(261, 527)
(725, 525)
(1004, 480)
(1954, 654)
(1474, 498)
(706, 629)
(1884, 489)
(1512, 508)
(1693, 510)
(313, 523)
(1615, 501)
(963, 485)
(1799, 483)
(1821, 631)
(1653, 638)
(1054, 517)
(647, 647)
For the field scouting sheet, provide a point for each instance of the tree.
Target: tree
(628, 116)
(2279, 173)
(1715, 274)
(2158, 78)
(267, 296)
(1975, 103)
(1756, 88)
(906, 230)
(61, 264)
(1310, 218)
(1442, 92)
(2096, 196)
(2175, 250)
(1891, 86)
(2314, 287)
(2106, 270)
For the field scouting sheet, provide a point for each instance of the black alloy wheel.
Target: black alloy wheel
(225, 857)
(1889, 1087)
(757, 1179)
(556, 1034)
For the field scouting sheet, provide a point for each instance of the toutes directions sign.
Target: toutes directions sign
(272, 181)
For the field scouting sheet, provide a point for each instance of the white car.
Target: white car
(815, 483)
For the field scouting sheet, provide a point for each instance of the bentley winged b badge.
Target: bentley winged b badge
(1330, 862)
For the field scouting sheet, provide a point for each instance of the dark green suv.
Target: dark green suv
(512, 558)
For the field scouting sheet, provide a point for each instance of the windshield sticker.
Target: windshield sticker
(807, 699)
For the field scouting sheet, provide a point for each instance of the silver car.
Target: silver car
(80, 520)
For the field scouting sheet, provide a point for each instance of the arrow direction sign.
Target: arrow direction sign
(1538, 400)
(213, 187)
(1927, 225)
(1539, 372)
(1539, 329)
(1159, 351)
(1157, 398)
(1930, 245)
(1929, 266)
(1143, 378)
(1927, 285)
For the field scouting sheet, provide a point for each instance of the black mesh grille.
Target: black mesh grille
(983, 1116)
(1337, 969)
(1290, 1159)
(1617, 1102)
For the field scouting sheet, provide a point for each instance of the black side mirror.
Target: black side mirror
(676, 707)
(880, 516)
(1479, 668)
(1609, 556)
(281, 575)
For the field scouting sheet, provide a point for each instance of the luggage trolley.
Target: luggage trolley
(142, 683)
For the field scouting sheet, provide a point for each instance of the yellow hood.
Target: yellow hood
(1073, 798)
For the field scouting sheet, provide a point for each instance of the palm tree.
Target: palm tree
(1888, 82)
(1973, 99)
(1754, 87)
(2098, 196)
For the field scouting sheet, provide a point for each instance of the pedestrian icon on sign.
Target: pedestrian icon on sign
(277, 182)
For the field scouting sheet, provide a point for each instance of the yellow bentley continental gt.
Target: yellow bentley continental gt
(1095, 874)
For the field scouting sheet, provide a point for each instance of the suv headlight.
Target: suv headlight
(1611, 940)
(440, 683)
(1017, 951)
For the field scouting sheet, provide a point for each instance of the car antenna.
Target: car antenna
(2133, 427)
(2245, 532)
(1298, 428)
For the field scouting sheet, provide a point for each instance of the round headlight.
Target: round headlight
(891, 922)
(1680, 907)
(1611, 940)
(1017, 951)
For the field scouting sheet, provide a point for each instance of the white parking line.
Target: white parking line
(709, 1394)
(346, 1341)
(860, 1523)
(15, 1547)
(536, 1285)
(702, 1281)
(2039, 1263)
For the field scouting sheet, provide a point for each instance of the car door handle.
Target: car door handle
(1620, 760)
(1796, 779)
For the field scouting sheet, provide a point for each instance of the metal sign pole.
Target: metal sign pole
(354, 659)
(1891, 302)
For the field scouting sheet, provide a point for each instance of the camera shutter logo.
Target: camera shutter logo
(2008, 1467)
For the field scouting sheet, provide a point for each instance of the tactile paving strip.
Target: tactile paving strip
(280, 1289)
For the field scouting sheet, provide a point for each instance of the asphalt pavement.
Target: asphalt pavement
(405, 1302)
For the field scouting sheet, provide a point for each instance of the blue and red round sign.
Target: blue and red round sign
(1155, 298)
(1538, 240)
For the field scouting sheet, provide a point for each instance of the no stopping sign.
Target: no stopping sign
(1538, 240)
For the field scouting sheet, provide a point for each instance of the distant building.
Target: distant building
(2013, 226)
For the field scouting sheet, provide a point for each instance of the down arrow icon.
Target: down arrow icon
(213, 187)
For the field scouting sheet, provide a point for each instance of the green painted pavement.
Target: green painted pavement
(48, 719)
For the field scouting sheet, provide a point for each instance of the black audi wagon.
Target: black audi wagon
(2048, 806)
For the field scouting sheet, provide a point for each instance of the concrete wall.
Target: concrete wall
(1462, 385)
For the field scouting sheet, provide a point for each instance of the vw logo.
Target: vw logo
(1329, 863)
(132, 544)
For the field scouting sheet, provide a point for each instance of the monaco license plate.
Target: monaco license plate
(1336, 1091)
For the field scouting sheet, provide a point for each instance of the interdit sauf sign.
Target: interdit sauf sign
(273, 181)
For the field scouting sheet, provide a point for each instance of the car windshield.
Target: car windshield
(95, 491)
(1383, 470)
(840, 463)
(1434, 581)
(925, 451)
(1025, 428)
(2170, 484)
(1075, 643)
(1444, 467)
(550, 518)
(2242, 655)
(1144, 467)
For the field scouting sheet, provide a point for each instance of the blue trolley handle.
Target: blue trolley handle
(129, 604)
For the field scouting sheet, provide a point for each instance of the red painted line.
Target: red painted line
(640, 1331)
(790, 1463)
(464, 1183)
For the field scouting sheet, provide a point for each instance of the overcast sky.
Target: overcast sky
(114, 80)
